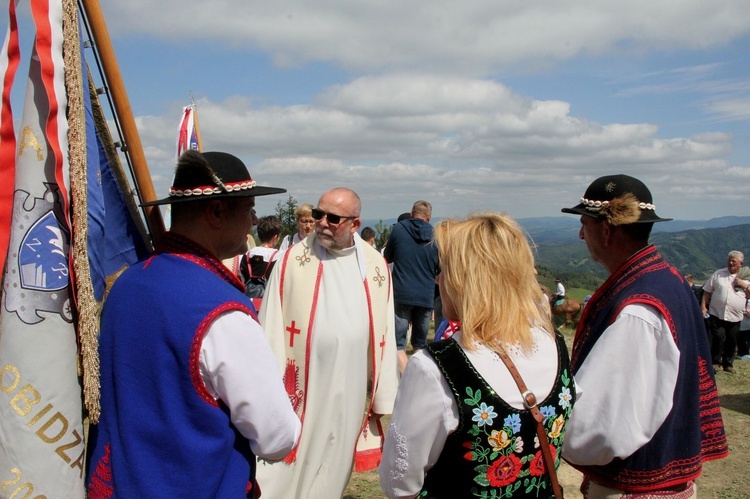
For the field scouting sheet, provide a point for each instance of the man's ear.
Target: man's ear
(356, 224)
(215, 212)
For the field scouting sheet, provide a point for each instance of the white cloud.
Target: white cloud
(463, 144)
(438, 35)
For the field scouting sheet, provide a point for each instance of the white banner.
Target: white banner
(42, 452)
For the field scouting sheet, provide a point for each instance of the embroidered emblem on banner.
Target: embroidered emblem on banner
(38, 271)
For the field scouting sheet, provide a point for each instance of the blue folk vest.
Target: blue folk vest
(494, 451)
(161, 434)
(693, 431)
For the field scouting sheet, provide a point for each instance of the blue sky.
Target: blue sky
(475, 105)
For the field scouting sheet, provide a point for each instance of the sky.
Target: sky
(501, 105)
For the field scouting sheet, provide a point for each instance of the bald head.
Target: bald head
(344, 196)
(344, 204)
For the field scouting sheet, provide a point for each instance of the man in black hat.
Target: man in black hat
(190, 390)
(649, 414)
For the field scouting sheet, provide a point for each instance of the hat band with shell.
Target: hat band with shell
(619, 199)
(209, 189)
(593, 205)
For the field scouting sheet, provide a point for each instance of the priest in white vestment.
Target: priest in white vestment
(328, 315)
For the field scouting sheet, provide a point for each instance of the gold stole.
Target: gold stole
(301, 275)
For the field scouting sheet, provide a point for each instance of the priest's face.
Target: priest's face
(342, 206)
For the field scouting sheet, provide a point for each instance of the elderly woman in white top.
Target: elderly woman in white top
(305, 226)
(459, 426)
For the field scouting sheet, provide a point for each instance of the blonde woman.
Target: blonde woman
(305, 226)
(459, 427)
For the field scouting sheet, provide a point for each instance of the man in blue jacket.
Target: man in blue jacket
(415, 267)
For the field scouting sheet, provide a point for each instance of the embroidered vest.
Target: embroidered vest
(494, 451)
(693, 432)
(161, 434)
(301, 274)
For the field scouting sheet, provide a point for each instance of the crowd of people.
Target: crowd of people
(207, 393)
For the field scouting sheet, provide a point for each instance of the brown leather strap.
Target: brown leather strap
(529, 401)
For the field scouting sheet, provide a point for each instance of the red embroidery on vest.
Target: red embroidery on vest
(101, 486)
(195, 348)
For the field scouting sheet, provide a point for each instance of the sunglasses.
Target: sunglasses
(332, 219)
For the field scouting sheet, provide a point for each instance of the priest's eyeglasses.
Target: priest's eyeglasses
(332, 218)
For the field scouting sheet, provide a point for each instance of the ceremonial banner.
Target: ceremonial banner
(42, 449)
(187, 135)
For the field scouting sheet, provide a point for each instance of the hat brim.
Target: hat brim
(254, 192)
(647, 216)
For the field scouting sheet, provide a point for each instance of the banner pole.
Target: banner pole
(133, 147)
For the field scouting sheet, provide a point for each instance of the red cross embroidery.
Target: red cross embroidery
(292, 331)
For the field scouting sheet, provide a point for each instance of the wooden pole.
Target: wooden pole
(133, 146)
(195, 122)
(197, 129)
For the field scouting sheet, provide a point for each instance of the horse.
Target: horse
(569, 308)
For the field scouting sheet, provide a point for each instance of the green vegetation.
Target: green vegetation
(285, 212)
(697, 252)
(383, 233)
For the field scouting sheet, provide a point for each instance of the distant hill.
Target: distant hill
(565, 228)
(697, 251)
(695, 247)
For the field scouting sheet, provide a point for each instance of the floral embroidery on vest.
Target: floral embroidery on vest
(499, 443)
(502, 459)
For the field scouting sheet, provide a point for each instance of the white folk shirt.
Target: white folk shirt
(726, 303)
(628, 381)
(239, 368)
(425, 412)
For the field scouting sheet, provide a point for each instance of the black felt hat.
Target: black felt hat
(619, 199)
(211, 175)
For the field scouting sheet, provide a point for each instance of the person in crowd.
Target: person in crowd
(257, 263)
(190, 390)
(649, 415)
(559, 293)
(460, 426)
(697, 288)
(328, 315)
(724, 299)
(368, 235)
(743, 338)
(305, 226)
(415, 267)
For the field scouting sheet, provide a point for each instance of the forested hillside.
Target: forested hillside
(697, 252)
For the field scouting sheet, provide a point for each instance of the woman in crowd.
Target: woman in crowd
(305, 226)
(459, 427)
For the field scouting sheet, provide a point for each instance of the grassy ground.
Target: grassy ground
(724, 479)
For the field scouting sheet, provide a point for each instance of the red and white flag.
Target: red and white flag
(42, 450)
(187, 135)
